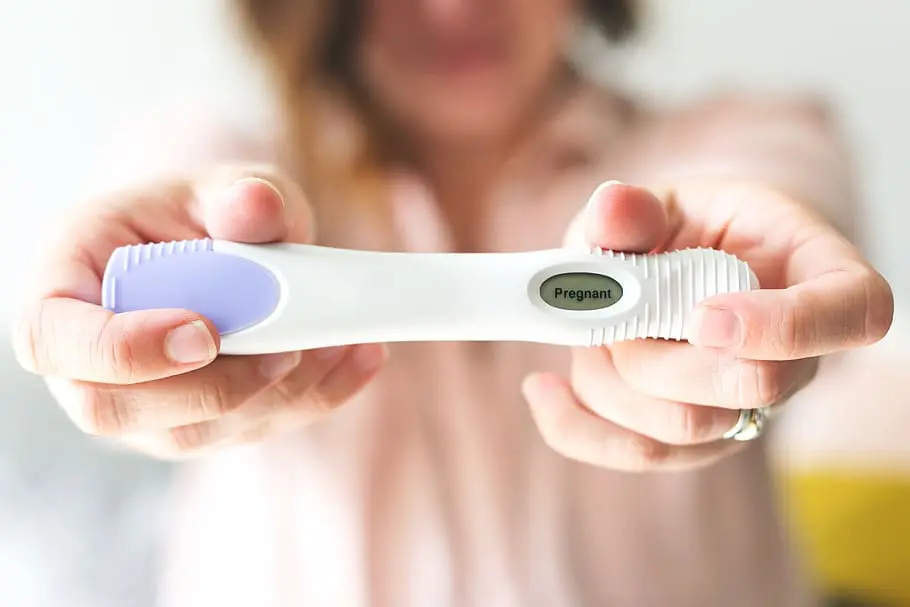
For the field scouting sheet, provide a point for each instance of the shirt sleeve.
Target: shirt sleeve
(854, 412)
(796, 145)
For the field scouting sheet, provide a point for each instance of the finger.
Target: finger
(209, 393)
(73, 339)
(706, 376)
(601, 388)
(307, 396)
(253, 204)
(245, 203)
(57, 334)
(830, 313)
(293, 403)
(356, 369)
(262, 205)
(197, 440)
(568, 428)
(624, 218)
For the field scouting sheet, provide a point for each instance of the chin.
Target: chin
(469, 123)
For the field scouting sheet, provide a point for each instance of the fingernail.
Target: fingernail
(596, 195)
(276, 366)
(369, 357)
(716, 328)
(590, 221)
(249, 181)
(190, 343)
(239, 190)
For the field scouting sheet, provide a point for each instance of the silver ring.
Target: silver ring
(750, 425)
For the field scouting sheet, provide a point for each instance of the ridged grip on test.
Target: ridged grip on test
(676, 282)
(233, 292)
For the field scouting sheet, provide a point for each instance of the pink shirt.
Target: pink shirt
(434, 488)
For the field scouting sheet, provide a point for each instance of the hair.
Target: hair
(309, 46)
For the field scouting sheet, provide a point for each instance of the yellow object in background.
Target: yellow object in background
(856, 528)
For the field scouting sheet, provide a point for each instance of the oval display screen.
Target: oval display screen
(580, 291)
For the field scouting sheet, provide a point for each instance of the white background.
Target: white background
(72, 72)
(77, 526)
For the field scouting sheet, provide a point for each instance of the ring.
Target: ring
(750, 425)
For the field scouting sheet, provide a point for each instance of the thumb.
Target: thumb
(622, 217)
(254, 204)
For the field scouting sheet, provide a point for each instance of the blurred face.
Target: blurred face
(461, 70)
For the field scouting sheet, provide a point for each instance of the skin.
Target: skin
(666, 404)
(495, 58)
(153, 381)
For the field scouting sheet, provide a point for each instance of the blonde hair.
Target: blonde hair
(308, 47)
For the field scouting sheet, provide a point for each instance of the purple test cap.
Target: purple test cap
(233, 292)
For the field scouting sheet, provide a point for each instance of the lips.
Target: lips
(462, 56)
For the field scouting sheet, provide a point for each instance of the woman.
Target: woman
(471, 474)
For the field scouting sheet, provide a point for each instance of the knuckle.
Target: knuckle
(761, 383)
(115, 352)
(96, 411)
(211, 400)
(689, 424)
(184, 440)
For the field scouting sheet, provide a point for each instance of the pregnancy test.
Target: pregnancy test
(282, 297)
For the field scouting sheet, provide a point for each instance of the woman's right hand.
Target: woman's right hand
(152, 379)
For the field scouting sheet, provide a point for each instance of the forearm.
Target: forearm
(795, 147)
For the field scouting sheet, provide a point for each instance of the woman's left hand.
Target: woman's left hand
(654, 404)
